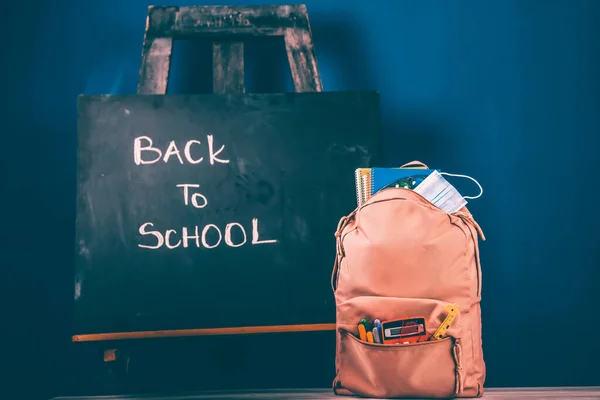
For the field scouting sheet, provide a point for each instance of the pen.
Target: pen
(377, 324)
(370, 337)
(376, 338)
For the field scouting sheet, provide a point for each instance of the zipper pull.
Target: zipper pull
(456, 352)
(469, 218)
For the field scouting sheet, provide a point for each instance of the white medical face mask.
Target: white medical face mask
(442, 194)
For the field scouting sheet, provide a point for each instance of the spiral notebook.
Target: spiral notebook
(371, 180)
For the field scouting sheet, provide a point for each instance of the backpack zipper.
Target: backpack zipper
(469, 220)
(398, 347)
(466, 218)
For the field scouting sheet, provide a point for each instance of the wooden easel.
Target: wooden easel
(227, 25)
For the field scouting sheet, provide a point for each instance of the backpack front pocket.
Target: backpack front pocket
(430, 368)
(424, 369)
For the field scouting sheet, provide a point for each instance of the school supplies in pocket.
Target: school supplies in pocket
(403, 331)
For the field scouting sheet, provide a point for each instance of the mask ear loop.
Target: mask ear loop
(468, 177)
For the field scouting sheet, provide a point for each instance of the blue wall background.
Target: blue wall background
(507, 91)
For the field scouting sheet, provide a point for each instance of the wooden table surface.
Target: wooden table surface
(326, 394)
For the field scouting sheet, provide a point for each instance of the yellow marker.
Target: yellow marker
(452, 313)
(362, 332)
(370, 337)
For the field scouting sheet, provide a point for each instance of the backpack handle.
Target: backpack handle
(414, 164)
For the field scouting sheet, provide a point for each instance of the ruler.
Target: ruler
(452, 313)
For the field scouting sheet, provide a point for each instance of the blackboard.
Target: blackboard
(210, 211)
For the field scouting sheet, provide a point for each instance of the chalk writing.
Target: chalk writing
(228, 234)
(195, 196)
(144, 144)
(210, 235)
(199, 237)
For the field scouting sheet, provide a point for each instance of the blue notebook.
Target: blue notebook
(371, 180)
(382, 177)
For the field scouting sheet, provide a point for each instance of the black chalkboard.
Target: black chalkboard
(269, 177)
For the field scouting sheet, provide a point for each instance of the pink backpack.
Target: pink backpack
(399, 256)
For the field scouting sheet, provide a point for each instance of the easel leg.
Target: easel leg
(302, 60)
(115, 371)
(156, 62)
